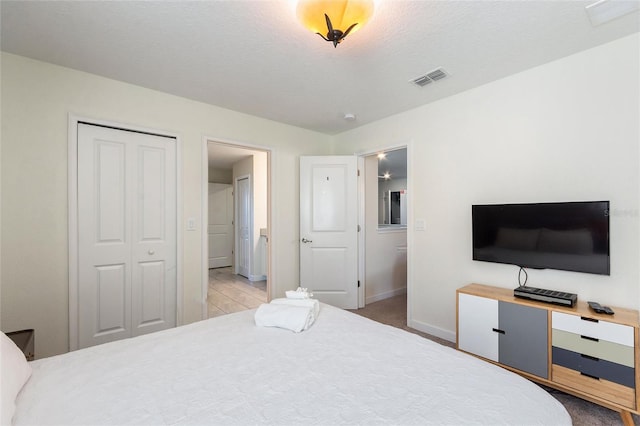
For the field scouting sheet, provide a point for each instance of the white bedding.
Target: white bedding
(344, 369)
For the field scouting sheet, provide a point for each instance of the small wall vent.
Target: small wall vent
(430, 77)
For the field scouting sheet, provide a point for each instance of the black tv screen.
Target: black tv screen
(571, 236)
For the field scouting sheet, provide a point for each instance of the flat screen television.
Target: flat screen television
(571, 236)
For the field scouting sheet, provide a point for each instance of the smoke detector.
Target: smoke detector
(430, 77)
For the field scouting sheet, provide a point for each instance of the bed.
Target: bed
(345, 369)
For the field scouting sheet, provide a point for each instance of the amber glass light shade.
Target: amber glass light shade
(342, 13)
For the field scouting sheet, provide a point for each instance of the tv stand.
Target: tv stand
(563, 347)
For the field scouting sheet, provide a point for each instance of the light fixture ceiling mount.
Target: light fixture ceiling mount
(335, 18)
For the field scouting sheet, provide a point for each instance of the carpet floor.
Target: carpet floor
(393, 312)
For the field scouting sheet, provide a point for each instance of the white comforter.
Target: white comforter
(344, 369)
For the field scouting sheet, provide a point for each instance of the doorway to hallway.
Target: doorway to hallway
(244, 282)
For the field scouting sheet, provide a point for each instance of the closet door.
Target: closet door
(126, 234)
(153, 296)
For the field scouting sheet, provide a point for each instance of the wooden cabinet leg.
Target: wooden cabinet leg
(627, 420)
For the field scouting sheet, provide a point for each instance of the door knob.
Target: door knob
(151, 252)
(304, 240)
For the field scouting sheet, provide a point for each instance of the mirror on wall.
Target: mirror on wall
(392, 188)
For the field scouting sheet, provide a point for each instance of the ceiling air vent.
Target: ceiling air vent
(430, 77)
(422, 81)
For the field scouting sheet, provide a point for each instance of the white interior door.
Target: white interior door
(243, 248)
(220, 229)
(126, 234)
(329, 229)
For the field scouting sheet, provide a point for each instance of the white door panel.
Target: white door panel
(149, 297)
(112, 310)
(220, 229)
(151, 201)
(329, 198)
(328, 229)
(126, 234)
(154, 236)
(104, 264)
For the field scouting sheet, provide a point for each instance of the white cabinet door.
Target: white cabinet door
(477, 317)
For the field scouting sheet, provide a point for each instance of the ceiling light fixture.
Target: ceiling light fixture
(335, 18)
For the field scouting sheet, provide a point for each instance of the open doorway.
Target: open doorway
(385, 216)
(236, 246)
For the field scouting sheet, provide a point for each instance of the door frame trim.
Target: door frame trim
(271, 224)
(72, 222)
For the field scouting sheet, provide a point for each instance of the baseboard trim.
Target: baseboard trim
(385, 295)
(434, 331)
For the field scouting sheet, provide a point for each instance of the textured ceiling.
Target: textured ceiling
(254, 57)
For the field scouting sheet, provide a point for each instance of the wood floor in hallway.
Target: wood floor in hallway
(230, 293)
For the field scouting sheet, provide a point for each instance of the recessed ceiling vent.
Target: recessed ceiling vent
(430, 77)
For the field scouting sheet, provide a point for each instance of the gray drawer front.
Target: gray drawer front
(600, 368)
(524, 343)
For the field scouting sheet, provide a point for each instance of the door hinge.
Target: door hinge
(358, 172)
(358, 283)
(358, 228)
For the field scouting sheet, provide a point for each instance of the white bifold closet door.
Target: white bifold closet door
(126, 234)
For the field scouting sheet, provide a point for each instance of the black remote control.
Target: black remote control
(600, 309)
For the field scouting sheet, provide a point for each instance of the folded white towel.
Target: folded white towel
(294, 318)
(299, 293)
(292, 294)
(307, 303)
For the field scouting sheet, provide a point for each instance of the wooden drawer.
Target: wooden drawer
(603, 349)
(614, 392)
(605, 330)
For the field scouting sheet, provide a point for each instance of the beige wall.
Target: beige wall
(385, 250)
(220, 176)
(567, 130)
(36, 101)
